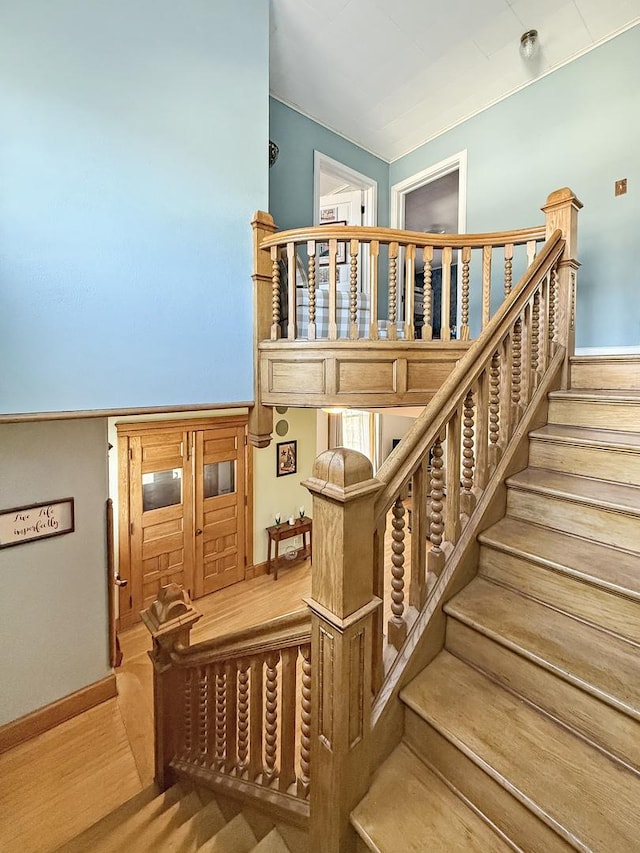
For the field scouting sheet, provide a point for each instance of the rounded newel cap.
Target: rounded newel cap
(342, 474)
(562, 196)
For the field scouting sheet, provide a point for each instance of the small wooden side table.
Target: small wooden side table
(278, 532)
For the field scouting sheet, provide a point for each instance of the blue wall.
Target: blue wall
(291, 178)
(578, 127)
(133, 152)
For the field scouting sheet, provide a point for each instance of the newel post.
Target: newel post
(261, 417)
(343, 606)
(561, 211)
(169, 621)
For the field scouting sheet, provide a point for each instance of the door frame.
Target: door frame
(128, 428)
(426, 176)
(324, 163)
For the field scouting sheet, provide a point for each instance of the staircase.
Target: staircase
(185, 819)
(524, 732)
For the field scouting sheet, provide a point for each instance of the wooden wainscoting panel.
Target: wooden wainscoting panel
(366, 376)
(428, 376)
(43, 719)
(295, 375)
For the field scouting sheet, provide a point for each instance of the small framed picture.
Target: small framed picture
(328, 214)
(323, 248)
(286, 458)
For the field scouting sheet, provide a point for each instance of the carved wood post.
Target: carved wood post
(260, 417)
(169, 621)
(561, 211)
(343, 606)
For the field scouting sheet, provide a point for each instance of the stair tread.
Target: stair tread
(205, 823)
(420, 812)
(594, 562)
(592, 437)
(621, 395)
(616, 496)
(235, 837)
(146, 838)
(271, 843)
(604, 665)
(589, 798)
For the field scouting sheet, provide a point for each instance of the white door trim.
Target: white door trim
(426, 176)
(324, 163)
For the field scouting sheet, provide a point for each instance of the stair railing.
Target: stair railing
(233, 713)
(363, 619)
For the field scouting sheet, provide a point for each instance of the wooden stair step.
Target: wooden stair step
(235, 837)
(603, 665)
(409, 808)
(613, 730)
(569, 588)
(150, 837)
(189, 837)
(589, 799)
(132, 817)
(601, 565)
(605, 371)
(608, 409)
(271, 843)
(607, 454)
(595, 509)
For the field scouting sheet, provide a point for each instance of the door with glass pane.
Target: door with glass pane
(219, 508)
(161, 514)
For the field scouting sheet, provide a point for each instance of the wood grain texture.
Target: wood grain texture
(612, 410)
(616, 372)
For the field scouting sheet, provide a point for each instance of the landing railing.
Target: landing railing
(236, 710)
(330, 282)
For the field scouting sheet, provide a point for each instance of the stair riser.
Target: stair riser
(594, 605)
(602, 525)
(607, 375)
(619, 466)
(513, 818)
(603, 725)
(596, 414)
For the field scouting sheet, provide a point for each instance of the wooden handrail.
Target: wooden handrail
(398, 467)
(420, 239)
(282, 632)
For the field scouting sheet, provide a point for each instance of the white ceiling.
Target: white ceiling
(391, 74)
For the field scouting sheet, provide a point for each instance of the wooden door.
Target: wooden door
(220, 498)
(161, 514)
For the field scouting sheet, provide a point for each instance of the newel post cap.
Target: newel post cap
(171, 616)
(342, 475)
(561, 198)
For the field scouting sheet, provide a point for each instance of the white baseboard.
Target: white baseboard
(633, 350)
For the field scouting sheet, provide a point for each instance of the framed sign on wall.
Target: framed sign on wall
(22, 524)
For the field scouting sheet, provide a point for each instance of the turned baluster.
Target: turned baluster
(452, 470)
(292, 290)
(392, 332)
(486, 285)
(535, 340)
(409, 293)
(221, 719)
(397, 627)
(468, 499)
(305, 723)
(271, 718)
(332, 323)
(464, 328)
(427, 295)
(353, 289)
(445, 312)
(419, 522)
(255, 719)
(243, 715)
(508, 268)
(516, 372)
(188, 715)
(531, 252)
(553, 304)
(231, 716)
(203, 714)
(311, 252)
(435, 557)
(288, 706)
(495, 450)
(374, 250)
(275, 293)
(481, 471)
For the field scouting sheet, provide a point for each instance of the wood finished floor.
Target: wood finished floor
(56, 785)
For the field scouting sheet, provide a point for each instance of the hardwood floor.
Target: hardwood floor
(58, 784)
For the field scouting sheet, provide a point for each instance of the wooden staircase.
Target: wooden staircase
(185, 819)
(524, 732)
